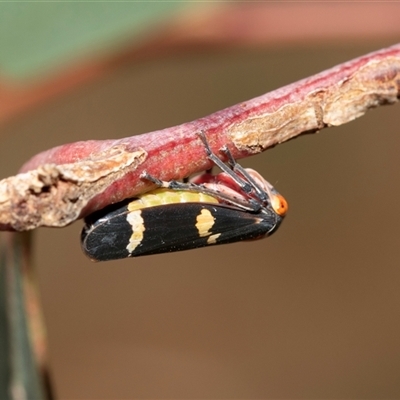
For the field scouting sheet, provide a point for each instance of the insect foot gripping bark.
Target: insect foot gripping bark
(236, 204)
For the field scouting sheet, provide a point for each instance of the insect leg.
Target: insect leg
(245, 204)
(237, 168)
(245, 186)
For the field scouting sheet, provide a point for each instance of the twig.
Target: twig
(65, 183)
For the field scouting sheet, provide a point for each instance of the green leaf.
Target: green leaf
(36, 37)
(20, 375)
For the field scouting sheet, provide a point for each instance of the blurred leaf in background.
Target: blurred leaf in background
(38, 37)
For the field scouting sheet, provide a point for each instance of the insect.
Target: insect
(236, 204)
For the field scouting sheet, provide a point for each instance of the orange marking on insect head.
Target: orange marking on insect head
(279, 204)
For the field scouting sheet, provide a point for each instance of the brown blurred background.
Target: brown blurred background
(311, 312)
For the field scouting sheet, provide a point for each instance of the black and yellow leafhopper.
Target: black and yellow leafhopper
(236, 204)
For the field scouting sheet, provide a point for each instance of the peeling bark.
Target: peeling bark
(54, 195)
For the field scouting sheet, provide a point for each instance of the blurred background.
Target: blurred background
(311, 312)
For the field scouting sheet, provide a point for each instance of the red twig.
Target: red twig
(67, 182)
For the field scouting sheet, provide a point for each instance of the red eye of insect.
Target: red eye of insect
(279, 204)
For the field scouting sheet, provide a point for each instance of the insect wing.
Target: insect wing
(172, 227)
(105, 233)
